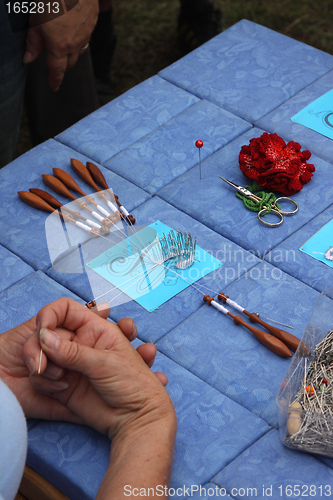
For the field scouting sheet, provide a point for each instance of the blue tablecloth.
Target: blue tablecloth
(223, 382)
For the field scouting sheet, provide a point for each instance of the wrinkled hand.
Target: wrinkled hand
(63, 37)
(109, 382)
(14, 372)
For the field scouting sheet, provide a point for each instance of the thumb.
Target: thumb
(34, 45)
(68, 354)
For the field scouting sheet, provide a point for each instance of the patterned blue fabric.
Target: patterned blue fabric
(12, 268)
(212, 431)
(126, 119)
(267, 463)
(212, 202)
(300, 265)
(152, 326)
(169, 151)
(233, 360)
(22, 228)
(223, 381)
(279, 120)
(23, 300)
(249, 69)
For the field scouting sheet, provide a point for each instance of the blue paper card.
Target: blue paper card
(320, 245)
(136, 267)
(318, 115)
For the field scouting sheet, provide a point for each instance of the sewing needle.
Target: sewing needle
(40, 361)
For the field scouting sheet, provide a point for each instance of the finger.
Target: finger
(66, 312)
(34, 45)
(71, 59)
(102, 310)
(36, 360)
(57, 65)
(128, 327)
(147, 353)
(162, 378)
(46, 386)
(52, 409)
(53, 372)
(69, 354)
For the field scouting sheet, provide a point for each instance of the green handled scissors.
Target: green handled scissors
(273, 209)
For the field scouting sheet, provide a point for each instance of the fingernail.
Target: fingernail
(27, 58)
(60, 385)
(55, 372)
(31, 365)
(102, 306)
(134, 331)
(49, 339)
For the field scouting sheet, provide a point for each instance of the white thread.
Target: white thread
(93, 224)
(97, 216)
(112, 206)
(83, 226)
(236, 306)
(219, 307)
(124, 211)
(104, 212)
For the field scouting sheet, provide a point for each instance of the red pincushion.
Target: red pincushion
(275, 165)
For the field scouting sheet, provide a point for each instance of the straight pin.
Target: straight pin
(199, 145)
(274, 321)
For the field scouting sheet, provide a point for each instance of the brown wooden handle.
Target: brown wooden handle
(272, 343)
(287, 338)
(83, 173)
(68, 180)
(97, 175)
(55, 203)
(35, 201)
(51, 200)
(57, 186)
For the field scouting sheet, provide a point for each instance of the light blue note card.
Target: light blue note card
(137, 267)
(318, 115)
(320, 245)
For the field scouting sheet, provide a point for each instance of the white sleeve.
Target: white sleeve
(13, 443)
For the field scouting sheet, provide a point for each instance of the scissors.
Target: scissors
(272, 209)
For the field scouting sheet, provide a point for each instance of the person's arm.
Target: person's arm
(64, 37)
(141, 458)
(122, 398)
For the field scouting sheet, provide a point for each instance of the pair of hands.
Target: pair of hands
(90, 373)
(63, 36)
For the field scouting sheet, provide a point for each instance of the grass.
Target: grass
(147, 36)
(147, 33)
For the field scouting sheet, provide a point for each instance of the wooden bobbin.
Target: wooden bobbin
(100, 179)
(208, 299)
(90, 304)
(84, 174)
(222, 297)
